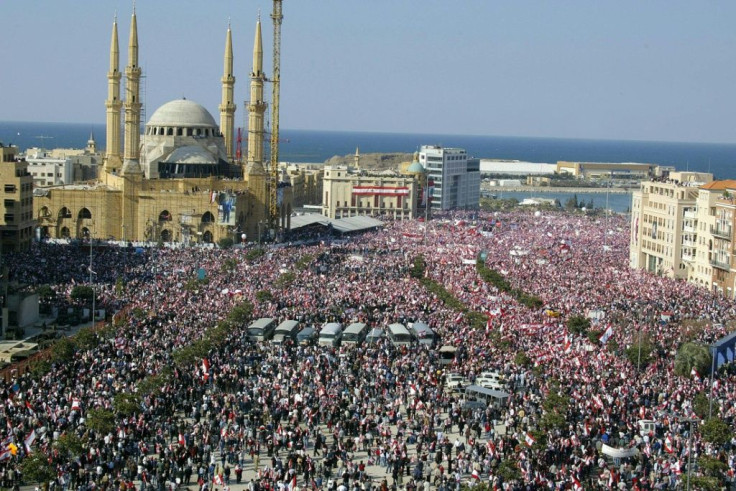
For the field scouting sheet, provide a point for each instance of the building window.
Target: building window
(10, 188)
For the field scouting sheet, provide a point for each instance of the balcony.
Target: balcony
(691, 214)
(689, 229)
(721, 263)
(723, 232)
(688, 258)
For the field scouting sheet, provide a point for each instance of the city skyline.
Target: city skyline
(656, 71)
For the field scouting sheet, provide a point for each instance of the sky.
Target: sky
(661, 70)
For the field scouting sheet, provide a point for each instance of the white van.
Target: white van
(399, 335)
(355, 333)
(286, 330)
(262, 329)
(330, 334)
(422, 333)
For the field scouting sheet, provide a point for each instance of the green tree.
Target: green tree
(240, 314)
(702, 406)
(522, 359)
(86, 338)
(69, 446)
(63, 350)
(640, 358)
(716, 431)
(255, 253)
(712, 466)
(126, 404)
(119, 286)
(82, 292)
(509, 470)
(225, 242)
(45, 292)
(578, 324)
(572, 203)
(418, 267)
(264, 296)
(100, 420)
(692, 355)
(36, 468)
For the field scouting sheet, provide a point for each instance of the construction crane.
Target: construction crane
(276, 17)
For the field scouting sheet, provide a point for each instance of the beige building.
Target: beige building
(178, 181)
(663, 215)
(17, 222)
(348, 192)
(605, 170)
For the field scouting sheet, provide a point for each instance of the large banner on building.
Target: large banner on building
(380, 191)
(226, 209)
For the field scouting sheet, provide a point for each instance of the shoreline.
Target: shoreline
(547, 189)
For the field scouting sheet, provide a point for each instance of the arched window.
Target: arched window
(208, 218)
(64, 233)
(164, 216)
(84, 213)
(207, 237)
(166, 235)
(44, 212)
(65, 213)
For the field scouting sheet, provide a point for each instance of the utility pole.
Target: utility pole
(276, 17)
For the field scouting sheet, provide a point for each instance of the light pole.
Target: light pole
(689, 448)
(712, 369)
(91, 283)
(260, 223)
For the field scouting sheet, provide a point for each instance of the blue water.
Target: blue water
(318, 146)
(617, 202)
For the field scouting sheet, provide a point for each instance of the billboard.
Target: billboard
(226, 209)
(381, 191)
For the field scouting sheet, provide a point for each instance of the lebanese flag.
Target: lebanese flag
(30, 408)
(76, 405)
(597, 401)
(182, 442)
(29, 441)
(489, 324)
(217, 480)
(205, 369)
(606, 335)
(567, 346)
(529, 439)
(475, 475)
(668, 445)
(694, 374)
(491, 448)
(292, 483)
(576, 484)
(459, 318)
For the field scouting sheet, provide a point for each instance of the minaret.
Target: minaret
(113, 104)
(131, 151)
(91, 143)
(356, 159)
(256, 109)
(227, 107)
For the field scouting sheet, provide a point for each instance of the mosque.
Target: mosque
(179, 180)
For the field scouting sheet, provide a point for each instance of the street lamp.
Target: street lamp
(91, 283)
(713, 354)
(689, 447)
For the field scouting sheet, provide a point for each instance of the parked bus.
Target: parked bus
(286, 330)
(399, 335)
(355, 333)
(447, 354)
(330, 334)
(262, 329)
(422, 333)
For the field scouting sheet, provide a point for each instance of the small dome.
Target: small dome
(415, 167)
(182, 113)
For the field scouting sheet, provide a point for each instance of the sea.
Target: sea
(319, 146)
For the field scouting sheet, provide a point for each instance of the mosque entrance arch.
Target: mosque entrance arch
(64, 233)
(166, 235)
(207, 237)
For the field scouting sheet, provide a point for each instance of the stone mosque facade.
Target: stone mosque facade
(179, 180)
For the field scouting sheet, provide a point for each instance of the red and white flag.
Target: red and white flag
(182, 442)
(576, 484)
(694, 374)
(205, 369)
(29, 441)
(292, 483)
(529, 439)
(606, 335)
(668, 445)
(76, 405)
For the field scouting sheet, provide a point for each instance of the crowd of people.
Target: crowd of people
(289, 416)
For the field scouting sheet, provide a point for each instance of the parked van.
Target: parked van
(262, 329)
(399, 335)
(422, 333)
(306, 336)
(355, 333)
(374, 336)
(330, 334)
(286, 330)
(447, 354)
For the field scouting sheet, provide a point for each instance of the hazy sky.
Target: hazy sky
(624, 69)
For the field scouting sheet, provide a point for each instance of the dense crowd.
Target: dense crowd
(287, 416)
